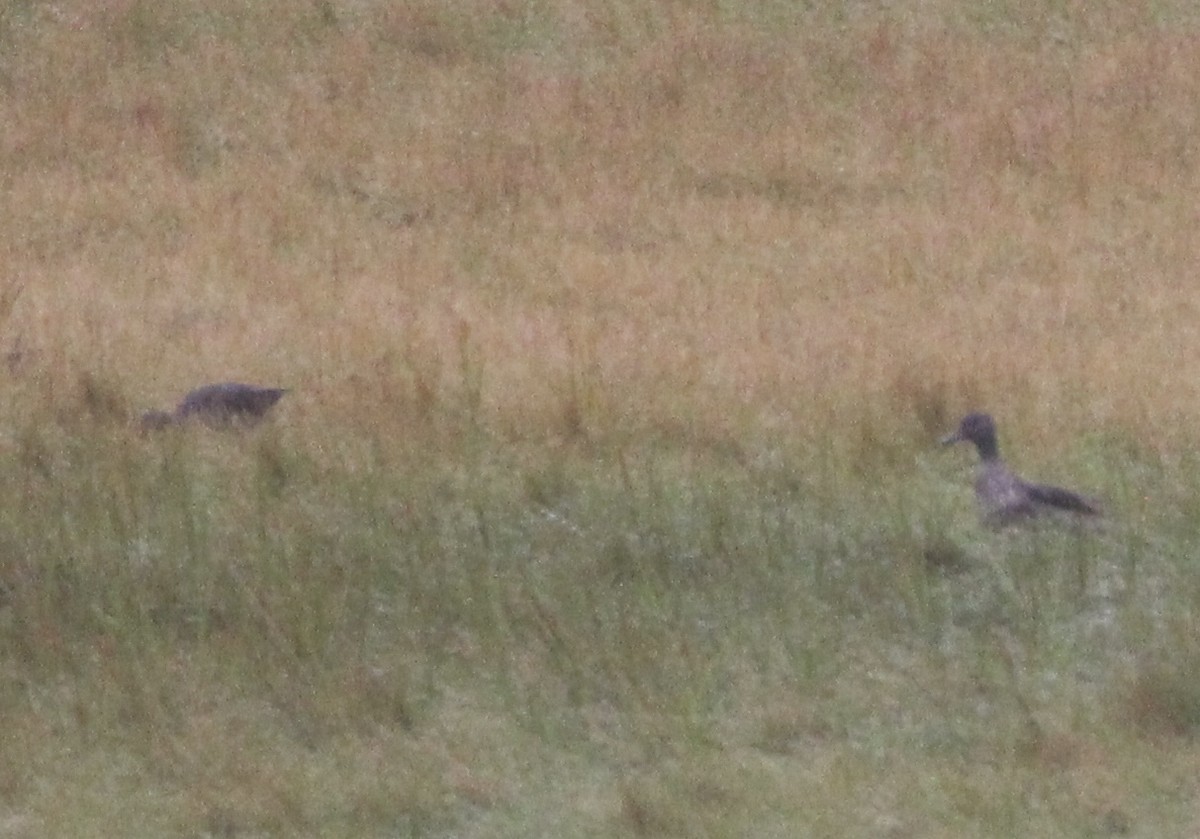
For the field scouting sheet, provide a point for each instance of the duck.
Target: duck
(222, 405)
(1004, 498)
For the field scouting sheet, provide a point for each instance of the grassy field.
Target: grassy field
(607, 499)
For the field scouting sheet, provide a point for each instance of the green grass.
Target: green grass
(606, 499)
(590, 640)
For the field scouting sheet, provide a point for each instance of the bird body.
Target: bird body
(1005, 498)
(218, 406)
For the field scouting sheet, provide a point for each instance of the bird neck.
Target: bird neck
(989, 452)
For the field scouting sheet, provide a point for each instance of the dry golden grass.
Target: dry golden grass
(488, 246)
(752, 229)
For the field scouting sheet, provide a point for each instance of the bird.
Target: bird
(224, 405)
(1003, 497)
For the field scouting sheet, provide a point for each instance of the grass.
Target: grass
(606, 500)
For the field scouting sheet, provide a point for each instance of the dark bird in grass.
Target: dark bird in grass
(1003, 497)
(225, 405)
